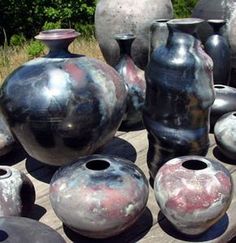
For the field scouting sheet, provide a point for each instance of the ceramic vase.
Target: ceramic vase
(17, 192)
(179, 95)
(193, 193)
(225, 134)
(225, 102)
(218, 49)
(63, 105)
(123, 16)
(7, 140)
(111, 192)
(20, 229)
(158, 34)
(134, 80)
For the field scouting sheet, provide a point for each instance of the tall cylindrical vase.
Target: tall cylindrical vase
(134, 80)
(218, 49)
(179, 95)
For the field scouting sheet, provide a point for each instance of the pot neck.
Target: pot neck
(58, 41)
(125, 42)
(216, 24)
(183, 31)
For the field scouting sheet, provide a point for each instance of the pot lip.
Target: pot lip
(106, 161)
(57, 34)
(216, 21)
(185, 21)
(125, 36)
(7, 174)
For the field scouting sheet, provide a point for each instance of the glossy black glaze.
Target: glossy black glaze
(134, 80)
(225, 102)
(218, 49)
(63, 106)
(178, 96)
(24, 230)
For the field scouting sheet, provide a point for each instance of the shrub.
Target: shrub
(35, 49)
(17, 40)
(183, 8)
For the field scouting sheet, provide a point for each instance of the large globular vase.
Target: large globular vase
(134, 80)
(99, 196)
(193, 192)
(63, 105)
(218, 49)
(179, 95)
(124, 16)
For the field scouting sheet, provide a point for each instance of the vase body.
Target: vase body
(20, 229)
(63, 105)
(193, 193)
(225, 134)
(123, 16)
(158, 34)
(218, 49)
(7, 140)
(134, 80)
(225, 102)
(111, 192)
(179, 94)
(17, 192)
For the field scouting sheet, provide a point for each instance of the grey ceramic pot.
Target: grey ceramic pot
(19, 230)
(99, 196)
(193, 192)
(179, 95)
(225, 134)
(17, 192)
(124, 16)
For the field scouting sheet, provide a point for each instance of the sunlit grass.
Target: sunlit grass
(13, 57)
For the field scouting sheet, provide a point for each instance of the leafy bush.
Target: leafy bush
(17, 40)
(51, 25)
(35, 49)
(183, 8)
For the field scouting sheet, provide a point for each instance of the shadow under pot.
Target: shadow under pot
(17, 192)
(225, 135)
(193, 193)
(225, 102)
(111, 192)
(20, 229)
(63, 106)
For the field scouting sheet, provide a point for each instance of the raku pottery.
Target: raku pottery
(225, 134)
(193, 193)
(218, 49)
(99, 196)
(17, 193)
(7, 140)
(124, 16)
(179, 95)
(134, 79)
(225, 102)
(63, 105)
(24, 230)
(158, 34)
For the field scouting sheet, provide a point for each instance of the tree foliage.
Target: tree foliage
(183, 8)
(28, 17)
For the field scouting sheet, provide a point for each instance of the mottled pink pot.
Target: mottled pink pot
(99, 196)
(17, 193)
(193, 192)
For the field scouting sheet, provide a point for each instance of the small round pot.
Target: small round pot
(225, 102)
(193, 193)
(19, 230)
(225, 134)
(17, 192)
(99, 196)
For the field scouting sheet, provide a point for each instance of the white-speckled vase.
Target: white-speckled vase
(225, 134)
(99, 196)
(193, 192)
(17, 193)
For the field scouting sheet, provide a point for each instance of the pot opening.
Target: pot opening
(194, 165)
(3, 172)
(97, 165)
(234, 114)
(219, 86)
